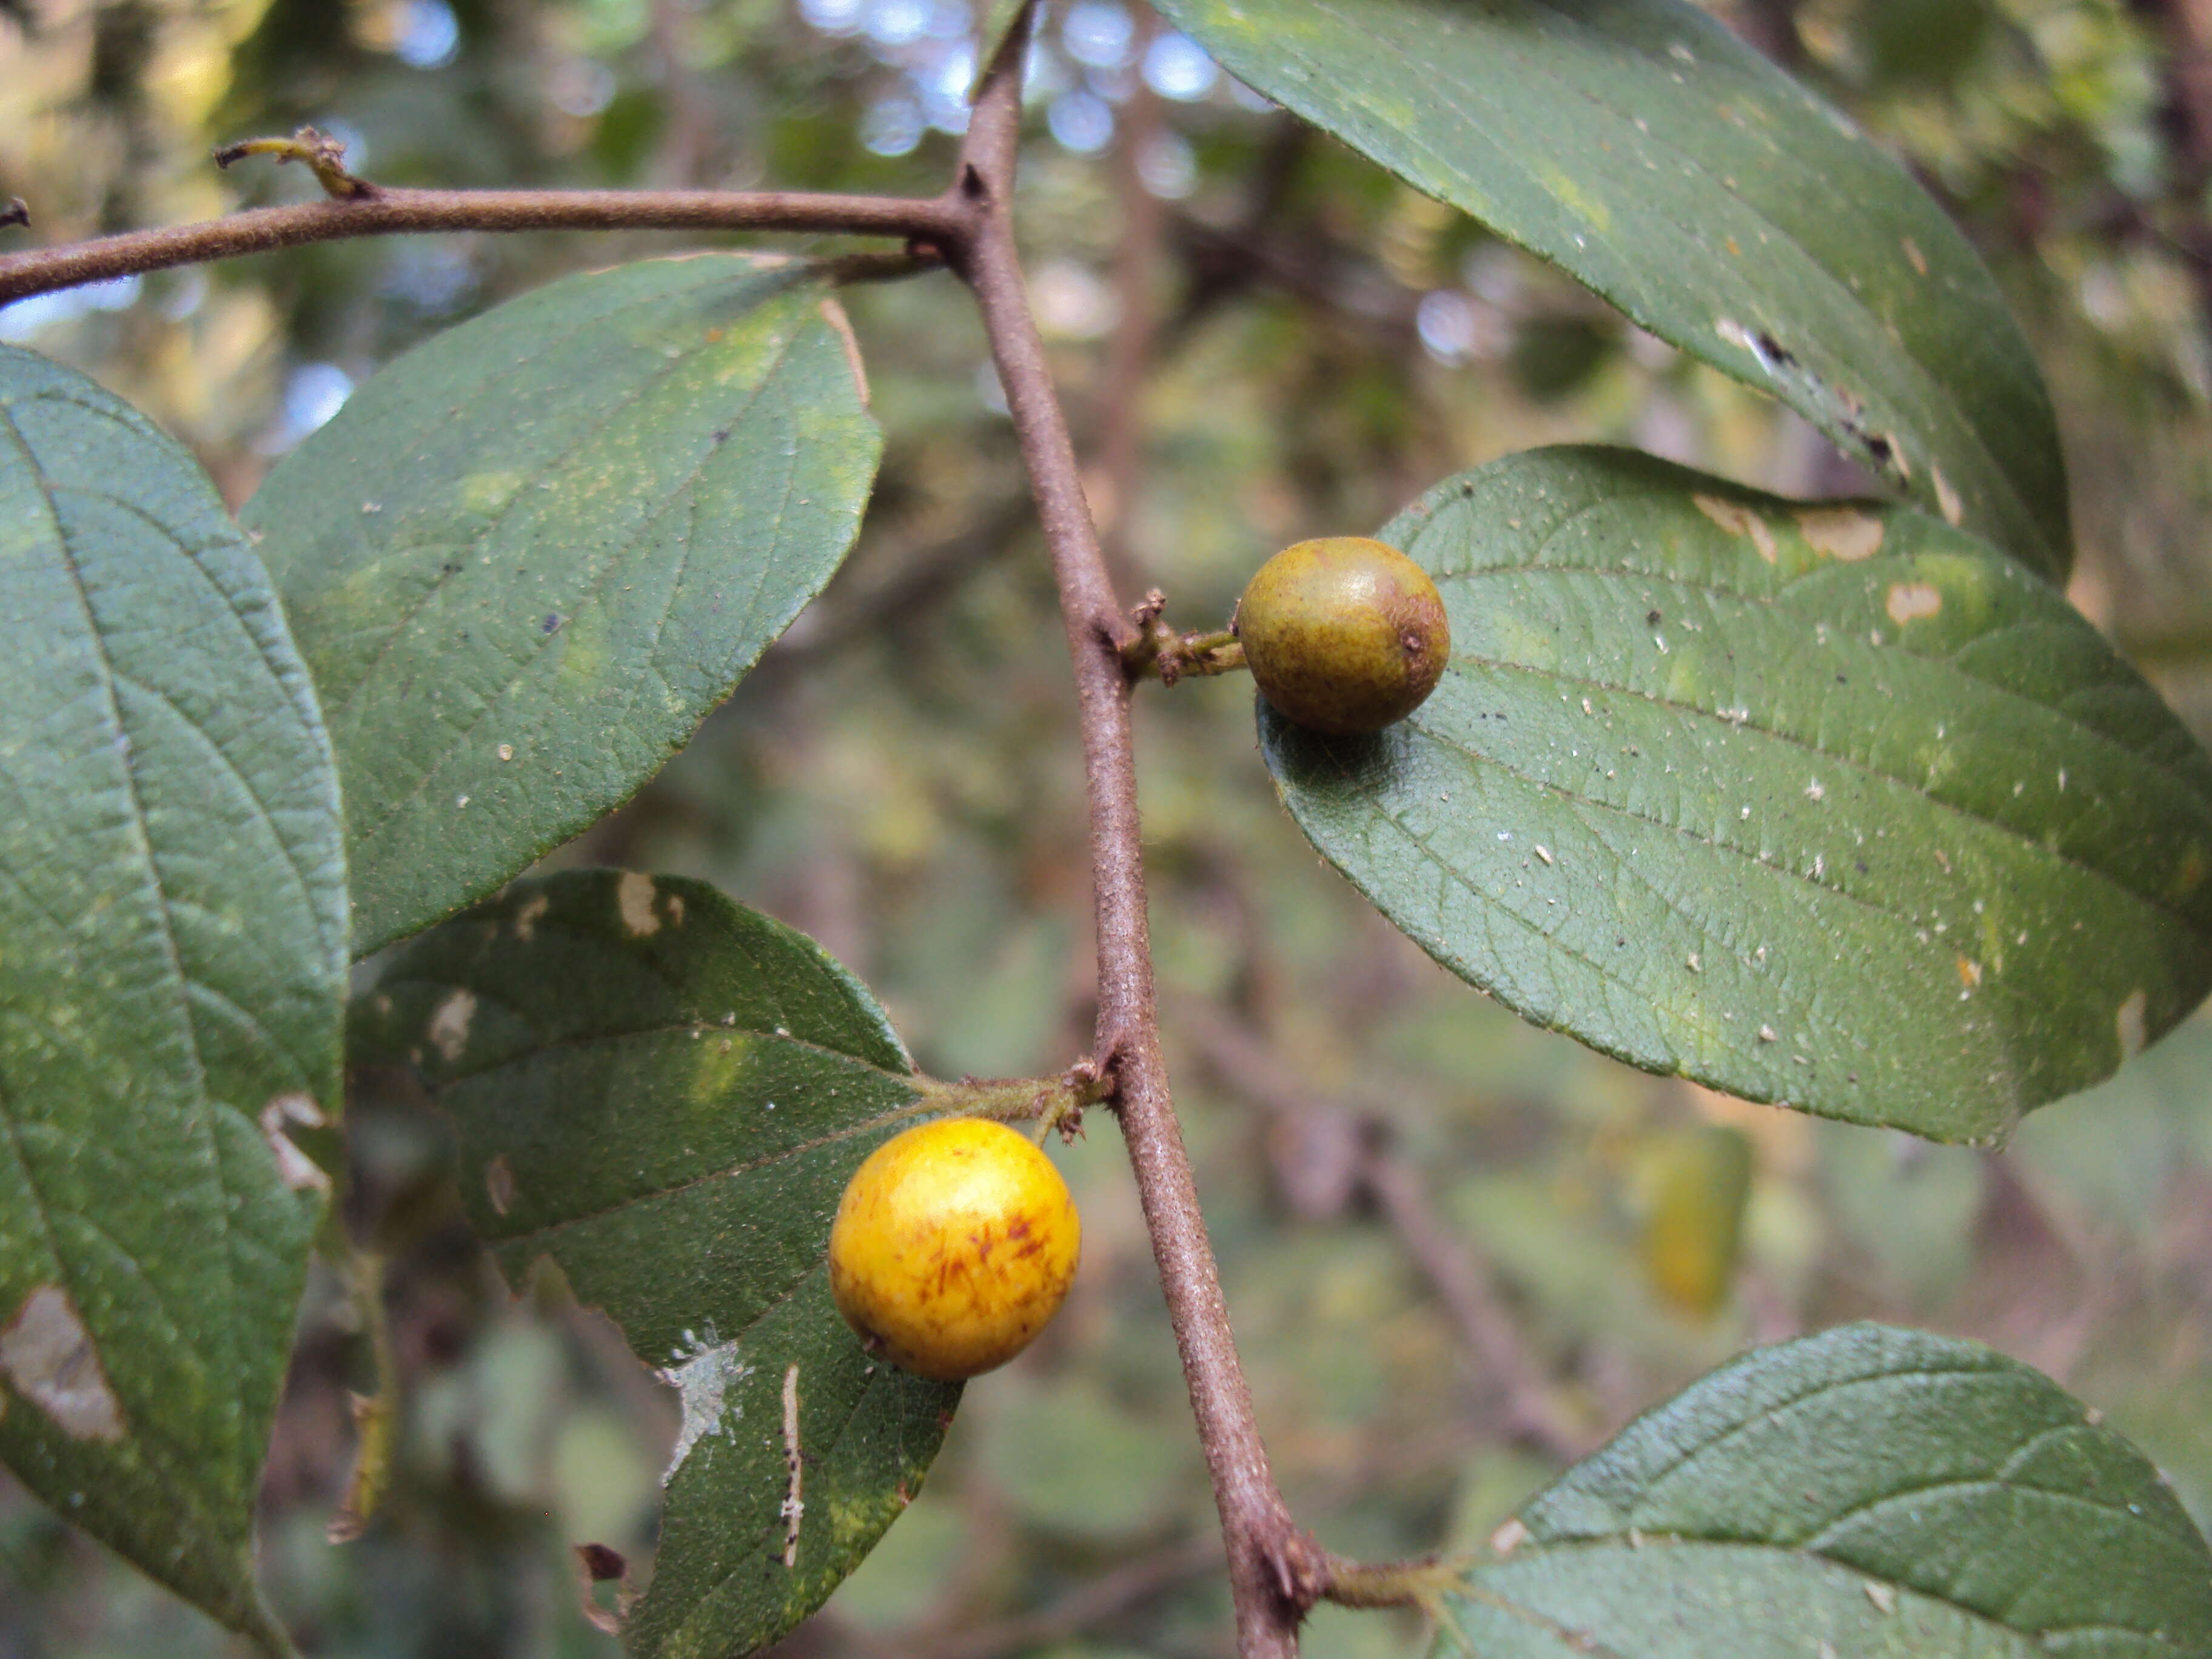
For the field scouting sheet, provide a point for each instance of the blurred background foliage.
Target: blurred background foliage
(1456, 1249)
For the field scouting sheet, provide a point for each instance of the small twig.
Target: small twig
(1274, 1571)
(936, 220)
(320, 153)
(1421, 1583)
(1160, 653)
(376, 1416)
(1465, 1285)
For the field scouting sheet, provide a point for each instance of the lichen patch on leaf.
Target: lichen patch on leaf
(49, 1356)
(703, 1382)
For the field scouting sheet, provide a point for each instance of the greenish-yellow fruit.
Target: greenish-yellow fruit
(954, 1245)
(1344, 634)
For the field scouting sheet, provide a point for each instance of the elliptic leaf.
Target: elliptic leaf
(1649, 153)
(1867, 1492)
(173, 933)
(526, 559)
(1827, 804)
(666, 1094)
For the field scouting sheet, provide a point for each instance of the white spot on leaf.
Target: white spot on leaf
(1738, 520)
(1842, 533)
(49, 1356)
(1507, 1538)
(299, 1172)
(1910, 600)
(526, 914)
(701, 1382)
(499, 1184)
(449, 1030)
(2130, 1021)
(794, 1505)
(634, 894)
(834, 315)
(1946, 499)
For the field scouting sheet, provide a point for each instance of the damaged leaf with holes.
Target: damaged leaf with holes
(1862, 1493)
(525, 560)
(1830, 804)
(744, 1075)
(173, 930)
(1642, 148)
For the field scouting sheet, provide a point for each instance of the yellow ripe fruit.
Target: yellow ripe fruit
(1344, 634)
(953, 1246)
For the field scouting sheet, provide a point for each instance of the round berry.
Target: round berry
(1344, 634)
(953, 1246)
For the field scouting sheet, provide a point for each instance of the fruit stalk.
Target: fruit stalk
(1274, 1572)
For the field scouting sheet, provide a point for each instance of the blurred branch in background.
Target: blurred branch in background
(1129, 1586)
(1120, 469)
(1325, 1156)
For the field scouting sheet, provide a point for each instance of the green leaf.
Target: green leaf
(525, 561)
(666, 1094)
(1866, 1492)
(1652, 155)
(171, 976)
(1826, 804)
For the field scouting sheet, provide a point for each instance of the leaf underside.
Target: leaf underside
(664, 1094)
(1867, 1492)
(1646, 151)
(525, 560)
(1826, 804)
(173, 931)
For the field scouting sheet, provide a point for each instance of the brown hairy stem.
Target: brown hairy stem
(385, 212)
(1275, 1573)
